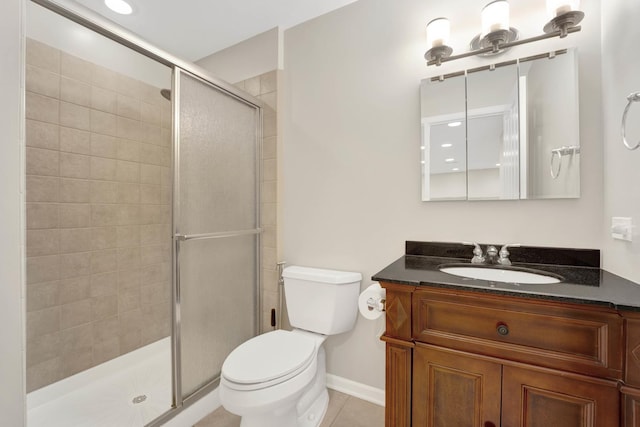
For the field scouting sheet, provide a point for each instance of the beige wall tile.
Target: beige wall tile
(269, 126)
(128, 107)
(106, 350)
(129, 129)
(75, 314)
(252, 86)
(104, 261)
(150, 194)
(43, 348)
(104, 330)
(43, 269)
(268, 213)
(128, 193)
(151, 94)
(104, 78)
(104, 192)
(166, 138)
(150, 174)
(165, 195)
(75, 240)
(75, 91)
(128, 86)
(151, 134)
(73, 215)
(43, 295)
(42, 135)
(153, 234)
(42, 189)
(38, 80)
(75, 116)
(269, 258)
(75, 141)
(42, 162)
(44, 373)
(128, 171)
(103, 100)
(105, 307)
(128, 299)
(151, 154)
(75, 191)
(104, 284)
(75, 165)
(269, 147)
(104, 146)
(154, 294)
(269, 237)
(103, 169)
(128, 150)
(167, 177)
(155, 273)
(103, 238)
(166, 118)
(129, 279)
(42, 55)
(43, 242)
(270, 101)
(128, 236)
(43, 322)
(75, 338)
(104, 215)
(128, 214)
(74, 289)
(269, 170)
(78, 361)
(270, 280)
(130, 340)
(151, 114)
(104, 123)
(75, 68)
(75, 265)
(155, 254)
(269, 192)
(268, 82)
(42, 108)
(128, 258)
(154, 214)
(42, 215)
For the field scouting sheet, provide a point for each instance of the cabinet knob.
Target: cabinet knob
(502, 329)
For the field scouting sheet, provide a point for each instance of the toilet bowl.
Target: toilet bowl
(278, 379)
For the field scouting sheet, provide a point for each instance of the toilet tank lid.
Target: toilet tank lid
(321, 275)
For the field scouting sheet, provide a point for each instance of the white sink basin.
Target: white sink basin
(500, 275)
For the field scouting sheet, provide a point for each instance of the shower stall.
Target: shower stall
(143, 223)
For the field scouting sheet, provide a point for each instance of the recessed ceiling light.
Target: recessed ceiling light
(119, 6)
(422, 147)
(498, 164)
(454, 124)
(450, 160)
(455, 169)
(422, 162)
(447, 145)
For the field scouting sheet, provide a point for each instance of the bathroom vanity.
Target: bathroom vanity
(468, 352)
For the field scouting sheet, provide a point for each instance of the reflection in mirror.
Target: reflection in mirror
(550, 137)
(492, 141)
(443, 147)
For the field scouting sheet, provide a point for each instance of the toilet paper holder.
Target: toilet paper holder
(376, 304)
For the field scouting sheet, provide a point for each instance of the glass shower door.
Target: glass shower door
(216, 220)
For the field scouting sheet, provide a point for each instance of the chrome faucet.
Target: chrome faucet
(493, 256)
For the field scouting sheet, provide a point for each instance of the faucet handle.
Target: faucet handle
(504, 253)
(477, 252)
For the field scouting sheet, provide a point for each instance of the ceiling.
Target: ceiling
(193, 29)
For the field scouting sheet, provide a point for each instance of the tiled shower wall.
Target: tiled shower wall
(98, 214)
(265, 88)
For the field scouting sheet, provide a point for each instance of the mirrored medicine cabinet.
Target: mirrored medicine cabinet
(504, 132)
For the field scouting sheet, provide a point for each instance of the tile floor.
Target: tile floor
(343, 411)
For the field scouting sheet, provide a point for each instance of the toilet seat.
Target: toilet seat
(267, 360)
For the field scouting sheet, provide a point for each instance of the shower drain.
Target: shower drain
(139, 399)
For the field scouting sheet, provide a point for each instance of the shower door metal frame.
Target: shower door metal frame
(101, 25)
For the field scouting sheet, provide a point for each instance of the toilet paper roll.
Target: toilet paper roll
(371, 301)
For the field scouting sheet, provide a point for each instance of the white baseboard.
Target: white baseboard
(359, 390)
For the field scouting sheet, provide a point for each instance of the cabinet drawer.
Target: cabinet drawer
(558, 336)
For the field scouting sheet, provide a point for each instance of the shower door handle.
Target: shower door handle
(219, 235)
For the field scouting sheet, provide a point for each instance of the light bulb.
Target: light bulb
(438, 32)
(495, 17)
(557, 8)
(119, 6)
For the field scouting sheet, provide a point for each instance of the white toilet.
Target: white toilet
(278, 379)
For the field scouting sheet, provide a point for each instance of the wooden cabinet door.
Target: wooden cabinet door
(543, 398)
(454, 389)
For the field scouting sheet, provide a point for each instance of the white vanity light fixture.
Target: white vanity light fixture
(454, 124)
(119, 6)
(497, 36)
(438, 34)
(447, 145)
(450, 160)
(455, 169)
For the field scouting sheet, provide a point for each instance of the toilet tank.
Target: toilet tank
(322, 301)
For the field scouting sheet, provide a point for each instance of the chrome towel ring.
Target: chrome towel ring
(560, 152)
(633, 97)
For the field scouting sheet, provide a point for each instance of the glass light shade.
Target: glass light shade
(438, 32)
(119, 6)
(559, 7)
(495, 16)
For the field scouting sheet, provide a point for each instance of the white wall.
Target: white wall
(351, 150)
(11, 212)
(621, 76)
(247, 59)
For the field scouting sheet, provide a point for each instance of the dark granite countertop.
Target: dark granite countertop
(581, 284)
